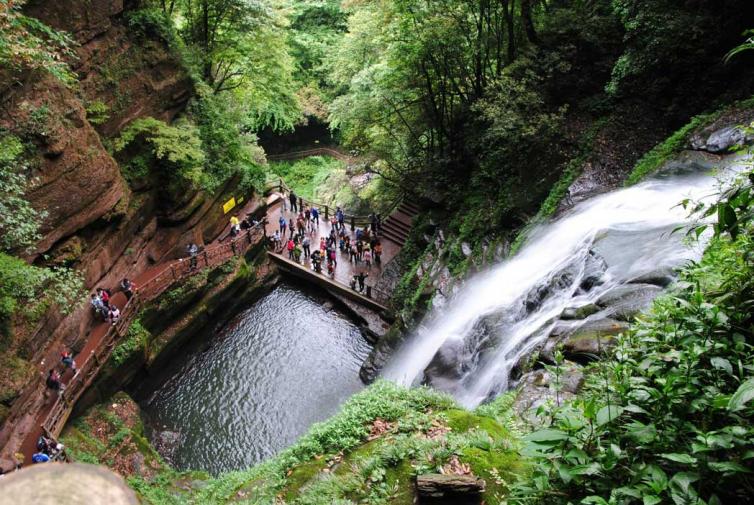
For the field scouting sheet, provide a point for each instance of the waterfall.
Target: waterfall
(601, 244)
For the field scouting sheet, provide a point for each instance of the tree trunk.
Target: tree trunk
(205, 42)
(531, 34)
(509, 23)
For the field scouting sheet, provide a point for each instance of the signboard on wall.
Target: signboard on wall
(229, 205)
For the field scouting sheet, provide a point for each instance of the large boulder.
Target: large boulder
(722, 140)
(594, 338)
(625, 301)
(539, 387)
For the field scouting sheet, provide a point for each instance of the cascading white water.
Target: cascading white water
(515, 304)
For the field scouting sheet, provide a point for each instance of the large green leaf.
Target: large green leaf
(608, 413)
(743, 395)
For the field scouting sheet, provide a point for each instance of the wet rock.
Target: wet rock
(722, 140)
(594, 271)
(625, 301)
(582, 312)
(466, 249)
(539, 387)
(536, 296)
(592, 339)
(662, 277)
(166, 442)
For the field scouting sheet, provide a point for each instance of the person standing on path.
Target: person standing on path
(315, 216)
(235, 226)
(307, 247)
(361, 277)
(291, 227)
(127, 287)
(377, 253)
(291, 246)
(193, 251)
(294, 201)
(282, 223)
(341, 218)
(67, 359)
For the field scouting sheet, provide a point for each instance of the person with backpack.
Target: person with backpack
(67, 359)
(307, 247)
(127, 287)
(283, 223)
(53, 381)
(104, 296)
(315, 215)
(98, 306)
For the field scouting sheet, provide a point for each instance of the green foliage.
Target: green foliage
(668, 42)
(746, 46)
(669, 417)
(307, 176)
(654, 159)
(97, 113)
(136, 340)
(342, 432)
(27, 44)
(228, 150)
(241, 50)
(176, 150)
(19, 221)
(25, 289)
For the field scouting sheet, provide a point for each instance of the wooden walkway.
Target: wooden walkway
(104, 337)
(50, 418)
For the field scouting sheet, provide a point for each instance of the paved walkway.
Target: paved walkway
(345, 269)
(343, 274)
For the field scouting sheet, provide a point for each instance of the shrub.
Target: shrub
(669, 417)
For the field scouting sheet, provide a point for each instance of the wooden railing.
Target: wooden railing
(174, 272)
(317, 151)
(326, 210)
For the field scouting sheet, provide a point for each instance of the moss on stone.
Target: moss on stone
(462, 421)
(300, 476)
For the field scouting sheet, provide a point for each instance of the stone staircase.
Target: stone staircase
(398, 224)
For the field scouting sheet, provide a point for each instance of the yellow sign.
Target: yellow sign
(228, 206)
(240, 200)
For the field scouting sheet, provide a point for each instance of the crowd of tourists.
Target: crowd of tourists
(298, 227)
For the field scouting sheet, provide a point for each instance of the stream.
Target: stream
(283, 364)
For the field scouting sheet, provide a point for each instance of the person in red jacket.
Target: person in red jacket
(291, 246)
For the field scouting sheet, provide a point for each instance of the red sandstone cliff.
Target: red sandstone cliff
(95, 223)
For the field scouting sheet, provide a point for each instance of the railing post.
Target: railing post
(172, 270)
(369, 291)
(233, 246)
(300, 204)
(248, 235)
(353, 223)
(327, 213)
(280, 186)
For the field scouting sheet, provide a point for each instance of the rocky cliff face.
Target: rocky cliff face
(95, 222)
